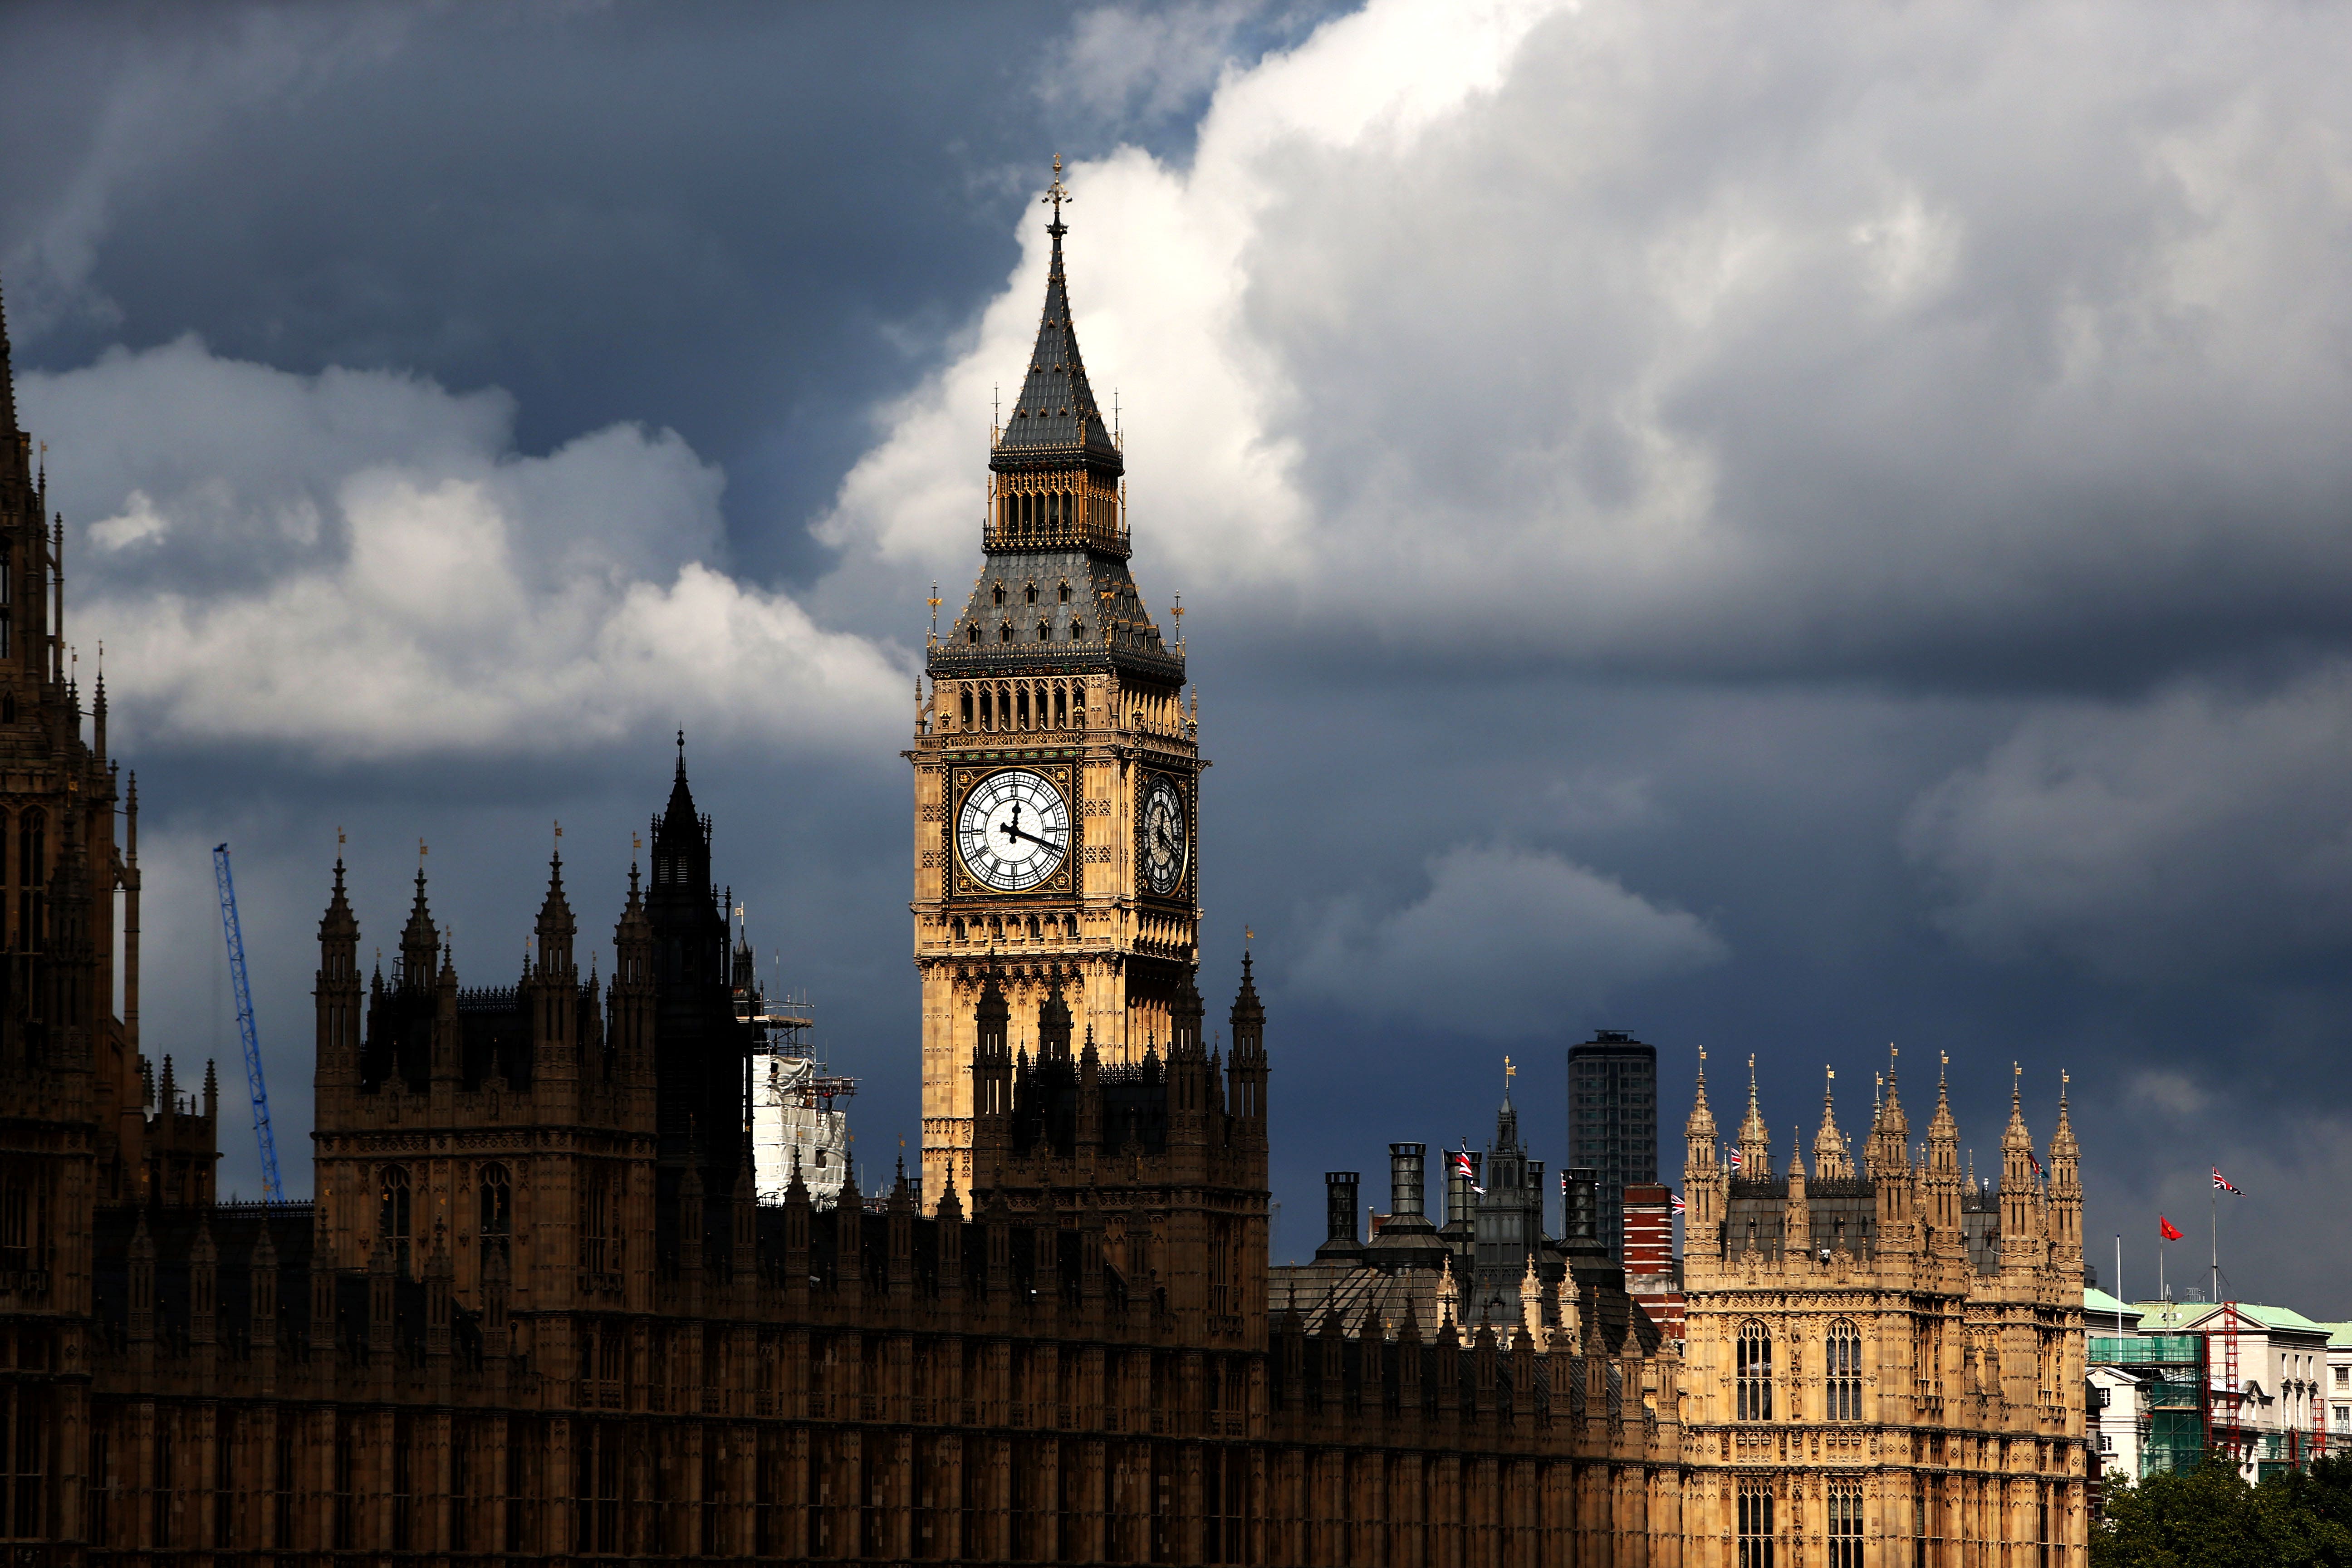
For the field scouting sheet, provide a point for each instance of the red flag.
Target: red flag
(2166, 1230)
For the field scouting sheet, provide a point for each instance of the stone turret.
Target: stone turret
(1702, 1177)
(1755, 1142)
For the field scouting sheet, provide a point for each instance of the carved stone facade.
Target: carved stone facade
(1884, 1364)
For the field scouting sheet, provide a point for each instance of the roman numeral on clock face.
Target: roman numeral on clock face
(1014, 829)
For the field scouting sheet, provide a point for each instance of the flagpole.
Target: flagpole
(2213, 1202)
(2119, 1285)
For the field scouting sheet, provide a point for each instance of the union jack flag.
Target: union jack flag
(1678, 1201)
(1463, 1169)
(2221, 1183)
(1735, 1159)
(2032, 1162)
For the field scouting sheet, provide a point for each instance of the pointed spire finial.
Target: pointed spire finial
(1055, 194)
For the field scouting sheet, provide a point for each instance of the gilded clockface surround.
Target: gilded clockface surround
(1015, 829)
(1163, 835)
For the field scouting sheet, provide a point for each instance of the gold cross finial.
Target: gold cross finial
(1508, 1070)
(934, 603)
(1056, 194)
(339, 837)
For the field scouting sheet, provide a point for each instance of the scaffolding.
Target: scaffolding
(2177, 1429)
(797, 1110)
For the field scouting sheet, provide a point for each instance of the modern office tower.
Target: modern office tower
(1613, 1121)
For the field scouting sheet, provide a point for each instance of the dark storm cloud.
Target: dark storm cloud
(1781, 528)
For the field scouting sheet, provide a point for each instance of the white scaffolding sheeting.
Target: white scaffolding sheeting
(793, 1111)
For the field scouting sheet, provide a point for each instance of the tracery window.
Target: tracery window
(1755, 1372)
(392, 1213)
(1841, 1365)
(497, 1216)
(598, 1255)
(1756, 1524)
(1845, 1525)
(32, 879)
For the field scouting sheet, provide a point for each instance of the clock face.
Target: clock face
(1013, 830)
(1163, 837)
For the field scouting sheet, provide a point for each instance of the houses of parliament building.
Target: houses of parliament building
(536, 1313)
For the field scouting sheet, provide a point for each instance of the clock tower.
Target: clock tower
(1056, 768)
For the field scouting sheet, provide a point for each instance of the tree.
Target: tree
(2209, 1518)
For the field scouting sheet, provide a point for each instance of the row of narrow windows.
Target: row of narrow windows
(996, 928)
(1038, 515)
(495, 1204)
(1024, 705)
(1754, 1519)
(1005, 632)
(1841, 1367)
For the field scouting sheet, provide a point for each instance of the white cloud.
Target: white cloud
(2200, 829)
(1661, 336)
(358, 564)
(1504, 942)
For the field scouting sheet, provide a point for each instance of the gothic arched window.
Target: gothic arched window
(1845, 1525)
(1032, 592)
(1045, 631)
(1005, 633)
(1842, 1364)
(1078, 631)
(1755, 1372)
(1756, 1524)
(497, 1194)
(597, 1255)
(32, 878)
(1065, 593)
(392, 1213)
(1000, 593)
(960, 931)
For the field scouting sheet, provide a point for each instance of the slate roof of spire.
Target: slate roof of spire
(1056, 414)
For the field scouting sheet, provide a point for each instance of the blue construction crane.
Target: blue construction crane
(272, 1190)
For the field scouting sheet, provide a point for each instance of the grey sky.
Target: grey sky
(1781, 527)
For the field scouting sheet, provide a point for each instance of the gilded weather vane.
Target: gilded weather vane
(1057, 193)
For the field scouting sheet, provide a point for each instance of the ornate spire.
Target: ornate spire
(1700, 1124)
(1056, 414)
(1830, 1159)
(1755, 1139)
(7, 390)
(420, 943)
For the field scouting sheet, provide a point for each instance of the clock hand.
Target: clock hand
(1048, 843)
(1013, 828)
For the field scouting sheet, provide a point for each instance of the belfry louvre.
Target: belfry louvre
(534, 1313)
